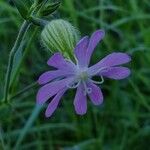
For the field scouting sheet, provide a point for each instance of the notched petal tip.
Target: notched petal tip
(81, 113)
(80, 101)
(83, 40)
(40, 80)
(125, 56)
(80, 110)
(117, 73)
(80, 50)
(54, 58)
(129, 57)
(53, 105)
(126, 75)
(38, 99)
(95, 38)
(98, 101)
(96, 95)
(47, 115)
(101, 32)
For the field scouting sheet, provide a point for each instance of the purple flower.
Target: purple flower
(69, 75)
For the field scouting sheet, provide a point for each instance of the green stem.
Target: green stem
(19, 39)
(2, 140)
(38, 21)
(31, 86)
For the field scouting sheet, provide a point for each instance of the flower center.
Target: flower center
(83, 75)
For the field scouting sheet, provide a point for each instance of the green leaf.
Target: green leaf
(50, 8)
(17, 60)
(23, 7)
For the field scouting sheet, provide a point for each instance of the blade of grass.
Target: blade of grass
(2, 145)
(28, 125)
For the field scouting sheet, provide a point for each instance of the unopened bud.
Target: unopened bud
(60, 35)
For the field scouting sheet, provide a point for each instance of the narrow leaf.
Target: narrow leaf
(22, 7)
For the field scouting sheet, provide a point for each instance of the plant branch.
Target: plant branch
(24, 90)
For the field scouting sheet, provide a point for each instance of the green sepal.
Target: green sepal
(49, 8)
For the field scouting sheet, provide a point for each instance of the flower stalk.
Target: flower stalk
(38, 21)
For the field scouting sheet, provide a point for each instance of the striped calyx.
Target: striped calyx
(60, 36)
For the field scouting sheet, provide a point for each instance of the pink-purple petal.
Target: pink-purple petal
(50, 89)
(94, 40)
(51, 75)
(80, 101)
(80, 50)
(58, 61)
(113, 59)
(96, 95)
(116, 73)
(52, 106)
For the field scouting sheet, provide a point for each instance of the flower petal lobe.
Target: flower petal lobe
(94, 40)
(50, 89)
(51, 75)
(96, 95)
(54, 103)
(80, 50)
(80, 101)
(111, 60)
(116, 73)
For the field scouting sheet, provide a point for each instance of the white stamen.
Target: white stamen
(87, 89)
(74, 85)
(98, 82)
(103, 69)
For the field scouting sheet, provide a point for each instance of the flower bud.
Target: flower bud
(49, 8)
(60, 35)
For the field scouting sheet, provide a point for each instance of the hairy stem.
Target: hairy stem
(19, 39)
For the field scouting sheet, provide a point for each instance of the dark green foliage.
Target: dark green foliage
(23, 7)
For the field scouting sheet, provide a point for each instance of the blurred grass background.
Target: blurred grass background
(121, 123)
